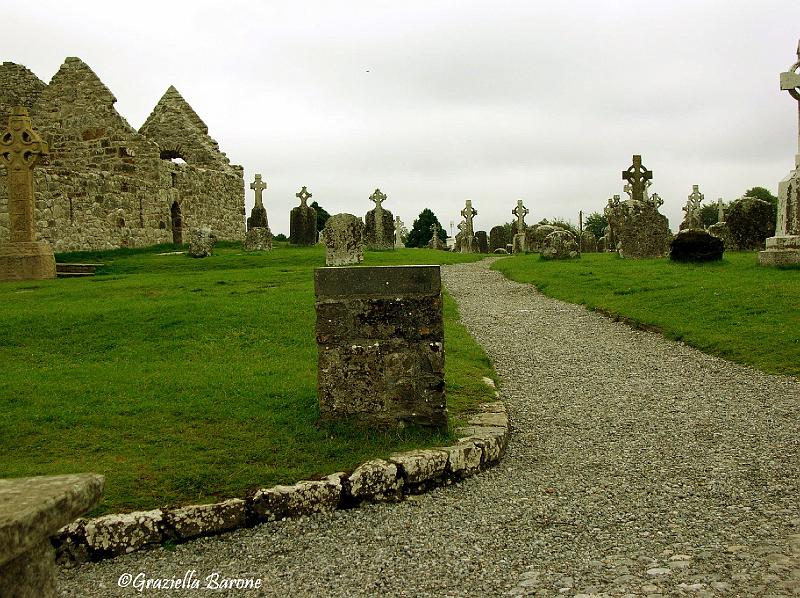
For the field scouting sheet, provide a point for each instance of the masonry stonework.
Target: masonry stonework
(107, 185)
(380, 338)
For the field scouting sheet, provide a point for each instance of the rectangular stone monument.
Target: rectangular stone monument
(380, 340)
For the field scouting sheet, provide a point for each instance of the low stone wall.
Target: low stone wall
(480, 445)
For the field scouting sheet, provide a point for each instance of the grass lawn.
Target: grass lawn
(735, 308)
(186, 380)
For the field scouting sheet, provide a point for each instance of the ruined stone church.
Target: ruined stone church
(106, 185)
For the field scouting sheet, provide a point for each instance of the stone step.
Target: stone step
(73, 274)
(65, 270)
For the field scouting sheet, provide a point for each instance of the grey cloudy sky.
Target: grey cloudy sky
(438, 101)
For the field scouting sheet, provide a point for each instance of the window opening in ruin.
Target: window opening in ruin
(120, 223)
(173, 155)
(177, 223)
(174, 179)
(162, 225)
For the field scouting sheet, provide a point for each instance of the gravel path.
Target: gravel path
(637, 466)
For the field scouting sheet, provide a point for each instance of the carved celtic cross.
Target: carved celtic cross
(790, 81)
(303, 194)
(21, 148)
(520, 212)
(378, 198)
(258, 186)
(468, 212)
(637, 175)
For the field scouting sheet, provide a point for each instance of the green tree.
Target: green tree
(765, 195)
(595, 223)
(421, 232)
(322, 215)
(709, 213)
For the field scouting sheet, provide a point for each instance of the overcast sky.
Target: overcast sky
(439, 101)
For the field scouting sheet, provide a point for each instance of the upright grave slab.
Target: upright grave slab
(343, 237)
(32, 510)
(784, 247)
(379, 225)
(497, 238)
(303, 221)
(380, 340)
(21, 149)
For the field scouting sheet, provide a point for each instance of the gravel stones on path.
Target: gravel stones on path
(637, 467)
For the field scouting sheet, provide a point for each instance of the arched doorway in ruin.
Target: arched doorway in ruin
(177, 223)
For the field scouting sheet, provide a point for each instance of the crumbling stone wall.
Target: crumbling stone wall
(107, 185)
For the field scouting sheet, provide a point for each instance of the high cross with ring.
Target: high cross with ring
(637, 175)
(303, 195)
(258, 186)
(21, 149)
(378, 198)
(520, 212)
(790, 81)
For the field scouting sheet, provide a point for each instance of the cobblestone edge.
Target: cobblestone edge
(480, 445)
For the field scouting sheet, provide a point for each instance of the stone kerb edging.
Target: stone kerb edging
(481, 444)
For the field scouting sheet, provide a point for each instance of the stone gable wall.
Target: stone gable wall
(105, 185)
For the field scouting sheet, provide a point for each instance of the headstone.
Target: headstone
(380, 340)
(638, 230)
(258, 215)
(520, 241)
(497, 238)
(257, 239)
(31, 511)
(483, 241)
(343, 236)
(468, 244)
(436, 242)
(303, 221)
(588, 242)
(784, 247)
(692, 220)
(201, 242)
(379, 225)
(21, 149)
(400, 231)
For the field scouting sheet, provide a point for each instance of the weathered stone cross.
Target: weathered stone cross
(378, 198)
(696, 197)
(258, 186)
(468, 212)
(790, 81)
(520, 212)
(636, 175)
(303, 195)
(720, 211)
(20, 150)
